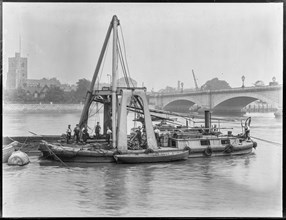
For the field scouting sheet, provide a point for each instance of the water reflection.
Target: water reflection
(115, 192)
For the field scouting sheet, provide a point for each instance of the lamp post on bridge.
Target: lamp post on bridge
(242, 78)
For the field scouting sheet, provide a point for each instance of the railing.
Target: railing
(237, 89)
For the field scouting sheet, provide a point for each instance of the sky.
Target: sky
(164, 42)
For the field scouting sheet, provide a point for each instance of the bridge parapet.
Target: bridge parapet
(238, 89)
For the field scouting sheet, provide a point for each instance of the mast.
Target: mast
(114, 79)
(84, 114)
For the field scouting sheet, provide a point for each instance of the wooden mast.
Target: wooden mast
(84, 114)
(114, 80)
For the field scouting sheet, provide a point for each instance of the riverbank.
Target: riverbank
(41, 108)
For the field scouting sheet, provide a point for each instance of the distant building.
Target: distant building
(68, 88)
(17, 72)
(43, 82)
(37, 91)
(122, 82)
(273, 83)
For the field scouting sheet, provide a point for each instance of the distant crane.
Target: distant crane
(195, 80)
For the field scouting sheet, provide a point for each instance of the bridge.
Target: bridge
(224, 101)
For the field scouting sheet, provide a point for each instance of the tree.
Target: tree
(55, 94)
(15, 95)
(259, 83)
(215, 84)
(82, 87)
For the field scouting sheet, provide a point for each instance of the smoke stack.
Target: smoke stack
(207, 119)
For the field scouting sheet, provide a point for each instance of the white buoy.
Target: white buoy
(18, 158)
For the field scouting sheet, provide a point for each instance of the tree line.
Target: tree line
(54, 94)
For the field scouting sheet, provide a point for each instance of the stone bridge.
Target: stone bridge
(218, 101)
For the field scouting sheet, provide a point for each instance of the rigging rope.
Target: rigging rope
(45, 142)
(104, 57)
(271, 142)
(123, 65)
(128, 72)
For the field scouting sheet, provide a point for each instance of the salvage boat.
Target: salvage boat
(116, 101)
(208, 140)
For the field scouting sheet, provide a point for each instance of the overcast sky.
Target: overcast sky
(164, 41)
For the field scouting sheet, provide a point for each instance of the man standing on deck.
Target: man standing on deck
(108, 135)
(85, 134)
(157, 135)
(97, 130)
(69, 131)
(76, 131)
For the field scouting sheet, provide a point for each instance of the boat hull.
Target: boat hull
(214, 151)
(246, 150)
(76, 155)
(155, 157)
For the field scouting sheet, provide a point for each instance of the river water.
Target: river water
(239, 186)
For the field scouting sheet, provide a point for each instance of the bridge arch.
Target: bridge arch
(180, 105)
(235, 102)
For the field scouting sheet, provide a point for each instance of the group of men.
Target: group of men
(78, 133)
(139, 134)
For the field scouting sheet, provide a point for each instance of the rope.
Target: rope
(122, 64)
(54, 154)
(13, 140)
(19, 142)
(23, 143)
(45, 142)
(128, 72)
(271, 142)
(104, 57)
(96, 111)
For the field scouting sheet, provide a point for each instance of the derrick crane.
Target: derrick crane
(195, 80)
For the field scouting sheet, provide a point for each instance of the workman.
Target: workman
(76, 131)
(157, 134)
(108, 135)
(69, 131)
(85, 134)
(97, 130)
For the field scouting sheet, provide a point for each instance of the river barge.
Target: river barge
(116, 101)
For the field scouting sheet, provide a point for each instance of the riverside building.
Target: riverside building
(17, 72)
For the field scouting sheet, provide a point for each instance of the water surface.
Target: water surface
(239, 186)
